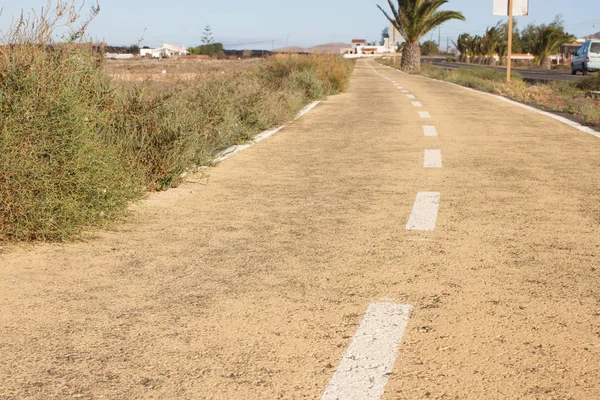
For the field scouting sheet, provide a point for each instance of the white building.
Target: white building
(166, 51)
(360, 48)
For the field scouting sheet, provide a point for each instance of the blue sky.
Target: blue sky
(260, 23)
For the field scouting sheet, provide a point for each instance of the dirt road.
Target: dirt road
(251, 283)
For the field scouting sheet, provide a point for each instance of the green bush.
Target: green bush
(591, 83)
(487, 74)
(56, 174)
(207, 49)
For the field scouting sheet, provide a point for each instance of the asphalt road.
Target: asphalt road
(528, 74)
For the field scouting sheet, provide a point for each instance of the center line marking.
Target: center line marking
(416, 104)
(432, 158)
(364, 370)
(430, 131)
(404, 91)
(411, 96)
(424, 114)
(424, 213)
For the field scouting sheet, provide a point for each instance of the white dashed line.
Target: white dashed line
(432, 158)
(367, 364)
(424, 213)
(424, 114)
(411, 96)
(405, 91)
(416, 104)
(430, 131)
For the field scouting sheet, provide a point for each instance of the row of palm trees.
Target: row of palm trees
(541, 40)
(415, 18)
(483, 49)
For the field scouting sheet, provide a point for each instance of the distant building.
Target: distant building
(166, 51)
(360, 48)
(117, 56)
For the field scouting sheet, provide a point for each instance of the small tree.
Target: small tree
(462, 44)
(430, 48)
(547, 39)
(414, 19)
(207, 35)
(385, 34)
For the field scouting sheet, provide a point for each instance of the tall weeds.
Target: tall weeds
(76, 149)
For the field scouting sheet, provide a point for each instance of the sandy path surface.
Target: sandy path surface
(250, 283)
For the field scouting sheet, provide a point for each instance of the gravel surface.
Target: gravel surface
(249, 282)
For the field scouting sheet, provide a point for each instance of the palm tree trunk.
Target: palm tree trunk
(546, 62)
(411, 56)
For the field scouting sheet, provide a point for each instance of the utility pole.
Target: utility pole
(439, 37)
(394, 42)
(447, 45)
(510, 37)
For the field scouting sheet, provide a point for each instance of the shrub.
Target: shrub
(591, 83)
(56, 174)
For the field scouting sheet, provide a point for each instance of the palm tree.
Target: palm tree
(502, 45)
(414, 19)
(476, 49)
(546, 40)
(462, 44)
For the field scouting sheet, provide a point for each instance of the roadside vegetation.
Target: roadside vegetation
(76, 147)
(563, 97)
(492, 48)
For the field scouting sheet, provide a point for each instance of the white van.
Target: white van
(587, 57)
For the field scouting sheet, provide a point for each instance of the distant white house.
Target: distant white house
(360, 48)
(166, 51)
(115, 56)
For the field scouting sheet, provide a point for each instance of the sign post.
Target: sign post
(510, 37)
(394, 42)
(510, 8)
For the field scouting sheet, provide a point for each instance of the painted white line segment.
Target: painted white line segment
(230, 151)
(411, 96)
(266, 134)
(432, 158)
(416, 104)
(429, 130)
(424, 213)
(306, 109)
(424, 114)
(365, 368)
(404, 91)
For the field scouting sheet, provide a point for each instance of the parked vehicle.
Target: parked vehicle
(587, 57)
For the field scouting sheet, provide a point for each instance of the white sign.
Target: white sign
(520, 8)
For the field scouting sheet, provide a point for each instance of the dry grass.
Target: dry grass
(139, 70)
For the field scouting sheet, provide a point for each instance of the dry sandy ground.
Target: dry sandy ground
(250, 283)
(174, 70)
